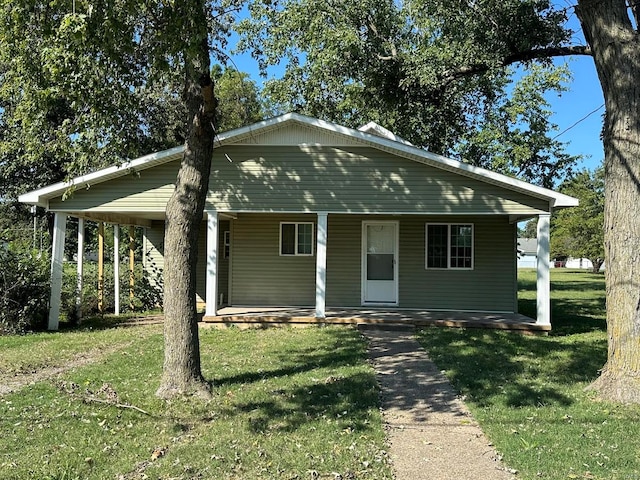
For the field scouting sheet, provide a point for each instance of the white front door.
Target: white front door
(380, 262)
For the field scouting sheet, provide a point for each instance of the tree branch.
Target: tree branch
(525, 56)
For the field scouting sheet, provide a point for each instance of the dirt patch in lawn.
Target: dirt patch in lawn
(15, 381)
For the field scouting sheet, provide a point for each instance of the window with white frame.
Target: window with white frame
(296, 238)
(449, 245)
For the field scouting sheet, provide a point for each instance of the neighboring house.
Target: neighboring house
(527, 253)
(303, 212)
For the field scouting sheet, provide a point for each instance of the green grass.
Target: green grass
(528, 392)
(31, 352)
(288, 404)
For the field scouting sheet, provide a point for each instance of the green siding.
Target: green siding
(308, 179)
(144, 191)
(153, 245)
(154, 258)
(344, 259)
(489, 286)
(259, 275)
(350, 179)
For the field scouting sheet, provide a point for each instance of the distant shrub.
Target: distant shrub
(24, 289)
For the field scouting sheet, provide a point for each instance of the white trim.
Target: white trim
(42, 196)
(57, 258)
(449, 267)
(395, 213)
(211, 287)
(363, 260)
(296, 254)
(543, 281)
(321, 264)
(116, 268)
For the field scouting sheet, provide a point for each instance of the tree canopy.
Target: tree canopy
(408, 65)
(579, 232)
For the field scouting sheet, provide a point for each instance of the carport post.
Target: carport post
(116, 269)
(543, 283)
(80, 268)
(57, 257)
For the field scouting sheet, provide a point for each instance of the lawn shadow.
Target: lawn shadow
(347, 400)
(518, 370)
(293, 402)
(346, 350)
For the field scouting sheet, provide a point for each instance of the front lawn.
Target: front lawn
(528, 392)
(288, 404)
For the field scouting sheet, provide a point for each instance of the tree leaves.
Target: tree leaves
(408, 66)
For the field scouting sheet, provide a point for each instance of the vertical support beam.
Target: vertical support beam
(80, 264)
(57, 256)
(321, 264)
(132, 264)
(211, 309)
(543, 283)
(101, 267)
(116, 268)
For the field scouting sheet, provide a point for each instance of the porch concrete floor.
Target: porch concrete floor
(263, 316)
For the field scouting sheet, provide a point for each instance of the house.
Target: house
(527, 253)
(306, 213)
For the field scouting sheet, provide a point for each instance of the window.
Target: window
(227, 244)
(296, 239)
(449, 246)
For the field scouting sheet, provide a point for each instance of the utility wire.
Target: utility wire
(579, 121)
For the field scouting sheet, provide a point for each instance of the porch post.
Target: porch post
(543, 284)
(211, 288)
(101, 267)
(132, 264)
(321, 264)
(57, 255)
(80, 264)
(116, 268)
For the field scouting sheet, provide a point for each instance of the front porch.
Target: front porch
(277, 316)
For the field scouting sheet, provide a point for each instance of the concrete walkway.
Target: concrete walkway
(431, 433)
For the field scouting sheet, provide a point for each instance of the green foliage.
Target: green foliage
(579, 232)
(24, 288)
(238, 99)
(407, 65)
(530, 229)
(91, 85)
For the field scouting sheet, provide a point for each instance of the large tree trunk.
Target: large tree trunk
(616, 52)
(184, 214)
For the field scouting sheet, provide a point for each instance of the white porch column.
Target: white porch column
(543, 284)
(116, 268)
(57, 255)
(321, 264)
(80, 257)
(211, 309)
